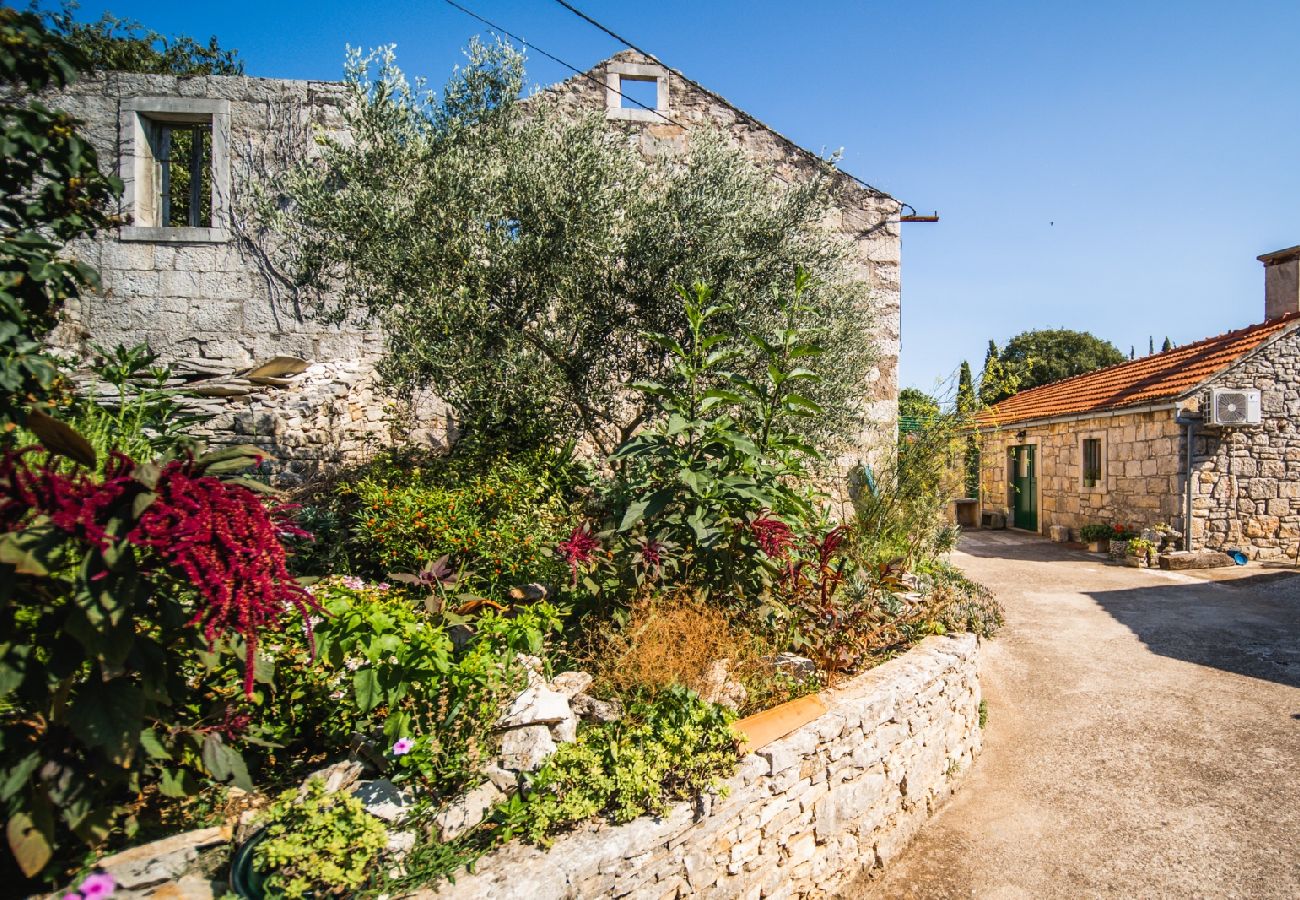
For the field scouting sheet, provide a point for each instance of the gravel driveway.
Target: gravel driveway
(1143, 737)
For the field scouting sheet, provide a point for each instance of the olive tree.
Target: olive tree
(514, 254)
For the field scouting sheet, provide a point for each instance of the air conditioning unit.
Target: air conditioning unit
(1232, 408)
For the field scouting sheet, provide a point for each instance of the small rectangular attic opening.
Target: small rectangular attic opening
(636, 92)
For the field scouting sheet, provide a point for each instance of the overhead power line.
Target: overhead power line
(556, 59)
(631, 46)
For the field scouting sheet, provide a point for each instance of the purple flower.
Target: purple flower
(403, 746)
(352, 582)
(98, 886)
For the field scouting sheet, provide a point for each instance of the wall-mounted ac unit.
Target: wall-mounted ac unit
(1230, 408)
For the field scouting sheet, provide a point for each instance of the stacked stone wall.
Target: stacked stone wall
(803, 817)
(1142, 470)
(1247, 480)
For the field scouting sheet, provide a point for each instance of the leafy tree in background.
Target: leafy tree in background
(965, 390)
(516, 255)
(1166, 346)
(917, 405)
(51, 191)
(124, 45)
(1034, 358)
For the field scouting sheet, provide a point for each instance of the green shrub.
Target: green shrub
(717, 482)
(387, 670)
(963, 605)
(318, 844)
(497, 518)
(668, 748)
(1095, 531)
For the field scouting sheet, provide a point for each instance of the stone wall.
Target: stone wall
(1141, 473)
(1247, 482)
(803, 817)
(209, 302)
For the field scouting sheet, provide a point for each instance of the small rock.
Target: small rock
(719, 688)
(794, 664)
(400, 843)
(504, 779)
(525, 749)
(466, 811)
(383, 799)
(188, 887)
(1059, 533)
(533, 666)
(528, 593)
(590, 709)
(338, 777)
(570, 683)
(566, 730)
(1195, 559)
(538, 705)
(159, 861)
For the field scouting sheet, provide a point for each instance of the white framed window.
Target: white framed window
(631, 87)
(1092, 461)
(176, 169)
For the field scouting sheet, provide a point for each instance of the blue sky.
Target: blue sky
(1107, 166)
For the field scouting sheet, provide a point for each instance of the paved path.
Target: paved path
(1143, 737)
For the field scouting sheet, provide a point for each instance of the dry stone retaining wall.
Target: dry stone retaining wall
(803, 817)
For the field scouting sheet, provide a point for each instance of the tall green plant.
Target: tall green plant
(722, 455)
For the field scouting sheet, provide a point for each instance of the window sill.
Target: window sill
(175, 235)
(636, 115)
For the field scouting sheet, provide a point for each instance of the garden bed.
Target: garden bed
(806, 814)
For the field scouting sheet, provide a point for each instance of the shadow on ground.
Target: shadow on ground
(1250, 626)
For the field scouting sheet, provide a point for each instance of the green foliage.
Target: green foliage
(1034, 358)
(960, 604)
(916, 407)
(668, 748)
(318, 844)
(984, 713)
(516, 253)
(386, 669)
(145, 419)
(497, 518)
(124, 45)
(51, 191)
(721, 450)
(1095, 531)
(106, 685)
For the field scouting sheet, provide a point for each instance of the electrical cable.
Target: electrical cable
(631, 46)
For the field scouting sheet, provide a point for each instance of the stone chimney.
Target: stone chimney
(1281, 282)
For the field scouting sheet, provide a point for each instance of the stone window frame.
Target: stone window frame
(614, 75)
(136, 168)
(1100, 486)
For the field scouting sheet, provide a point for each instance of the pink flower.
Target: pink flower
(72, 897)
(579, 549)
(403, 746)
(98, 886)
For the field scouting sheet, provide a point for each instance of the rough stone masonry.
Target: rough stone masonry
(803, 817)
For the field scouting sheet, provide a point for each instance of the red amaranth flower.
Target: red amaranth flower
(579, 549)
(227, 544)
(651, 552)
(76, 504)
(774, 537)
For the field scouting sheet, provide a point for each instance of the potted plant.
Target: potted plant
(1140, 553)
(1095, 535)
(1120, 535)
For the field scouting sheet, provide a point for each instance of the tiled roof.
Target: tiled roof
(1146, 380)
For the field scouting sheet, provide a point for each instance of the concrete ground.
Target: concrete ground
(1143, 737)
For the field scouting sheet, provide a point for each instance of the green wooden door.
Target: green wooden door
(1024, 487)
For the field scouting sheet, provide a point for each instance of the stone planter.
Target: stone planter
(1117, 549)
(1137, 562)
(1098, 546)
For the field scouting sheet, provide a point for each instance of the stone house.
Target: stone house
(187, 277)
(1117, 445)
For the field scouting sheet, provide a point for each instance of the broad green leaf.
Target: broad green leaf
(31, 838)
(151, 745)
(224, 763)
(177, 783)
(365, 683)
(108, 716)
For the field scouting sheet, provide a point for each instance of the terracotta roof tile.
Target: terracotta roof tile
(1146, 380)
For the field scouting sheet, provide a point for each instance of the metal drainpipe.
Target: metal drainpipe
(1189, 425)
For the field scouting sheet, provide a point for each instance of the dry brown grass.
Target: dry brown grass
(667, 640)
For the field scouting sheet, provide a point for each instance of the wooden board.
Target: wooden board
(761, 729)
